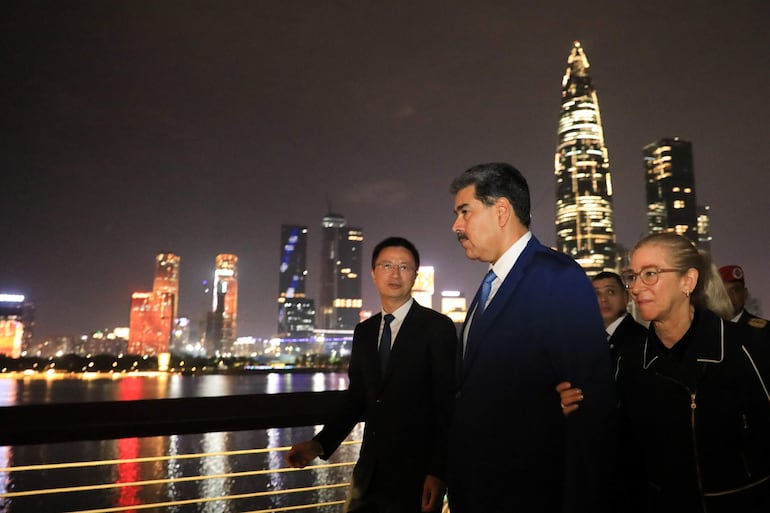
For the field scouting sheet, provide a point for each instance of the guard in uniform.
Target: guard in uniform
(735, 283)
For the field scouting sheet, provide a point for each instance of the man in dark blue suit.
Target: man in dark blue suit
(402, 386)
(510, 447)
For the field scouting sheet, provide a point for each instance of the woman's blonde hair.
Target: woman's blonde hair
(710, 291)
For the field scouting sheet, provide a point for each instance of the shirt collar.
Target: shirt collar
(508, 259)
(612, 327)
(400, 312)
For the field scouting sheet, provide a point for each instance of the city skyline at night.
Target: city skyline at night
(134, 128)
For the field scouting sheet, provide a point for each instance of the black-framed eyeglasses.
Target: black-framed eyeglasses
(648, 275)
(390, 266)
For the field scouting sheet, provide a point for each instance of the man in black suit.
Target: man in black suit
(404, 396)
(613, 303)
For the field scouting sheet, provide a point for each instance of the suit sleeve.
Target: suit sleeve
(352, 409)
(582, 358)
(443, 352)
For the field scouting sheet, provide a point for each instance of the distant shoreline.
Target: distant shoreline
(51, 374)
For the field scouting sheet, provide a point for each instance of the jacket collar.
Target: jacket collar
(708, 344)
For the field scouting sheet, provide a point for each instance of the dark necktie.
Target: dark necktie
(486, 288)
(385, 342)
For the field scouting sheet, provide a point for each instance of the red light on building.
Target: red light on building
(11, 333)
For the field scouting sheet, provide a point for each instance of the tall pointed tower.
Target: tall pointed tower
(584, 218)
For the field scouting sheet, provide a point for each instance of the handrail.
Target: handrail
(106, 420)
(301, 496)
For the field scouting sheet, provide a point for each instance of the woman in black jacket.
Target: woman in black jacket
(693, 397)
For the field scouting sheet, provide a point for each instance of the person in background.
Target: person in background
(694, 407)
(534, 323)
(613, 305)
(403, 390)
(619, 325)
(735, 282)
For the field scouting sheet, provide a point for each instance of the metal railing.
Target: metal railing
(127, 421)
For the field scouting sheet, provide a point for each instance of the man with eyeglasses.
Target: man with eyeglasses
(402, 386)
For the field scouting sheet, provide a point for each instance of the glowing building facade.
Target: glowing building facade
(153, 314)
(704, 227)
(166, 281)
(454, 306)
(296, 313)
(14, 324)
(150, 321)
(584, 216)
(670, 183)
(222, 328)
(340, 300)
(423, 288)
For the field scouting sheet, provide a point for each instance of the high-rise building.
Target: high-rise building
(584, 218)
(671, 202)
(423, 288)
(166, 279)
(225, 298)
(704, 227)
(340, 300)
(149, 329)
(453, 305)
(153, 314)
(296, 313)
(14, 323)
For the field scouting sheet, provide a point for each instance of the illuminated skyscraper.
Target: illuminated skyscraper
(671, 203)
(225, 298)
(150, 323)
(584, 217)
(340, 301)
(14, 322)
(153, 313)
(704, 228)
(423, 288)
(167, 279)
(296, 313)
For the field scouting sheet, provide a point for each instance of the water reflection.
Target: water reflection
(215, 465)
(128, 472)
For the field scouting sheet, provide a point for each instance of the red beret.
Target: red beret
(731, 273)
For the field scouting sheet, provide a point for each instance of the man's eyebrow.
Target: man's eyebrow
(460, 207)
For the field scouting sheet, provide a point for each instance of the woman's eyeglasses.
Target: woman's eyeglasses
(648, 275)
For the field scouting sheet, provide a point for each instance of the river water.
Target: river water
(30, 390)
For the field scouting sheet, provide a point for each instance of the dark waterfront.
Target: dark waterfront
(37, 389)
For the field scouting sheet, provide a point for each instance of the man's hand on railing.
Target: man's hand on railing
(303, 453)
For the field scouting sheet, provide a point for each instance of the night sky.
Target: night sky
(129, 128)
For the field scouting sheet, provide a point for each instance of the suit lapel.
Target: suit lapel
(480, 324)
(404, 333)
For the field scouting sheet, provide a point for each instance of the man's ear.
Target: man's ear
(503, 210)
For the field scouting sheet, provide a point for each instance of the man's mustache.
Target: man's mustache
(461, 236)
